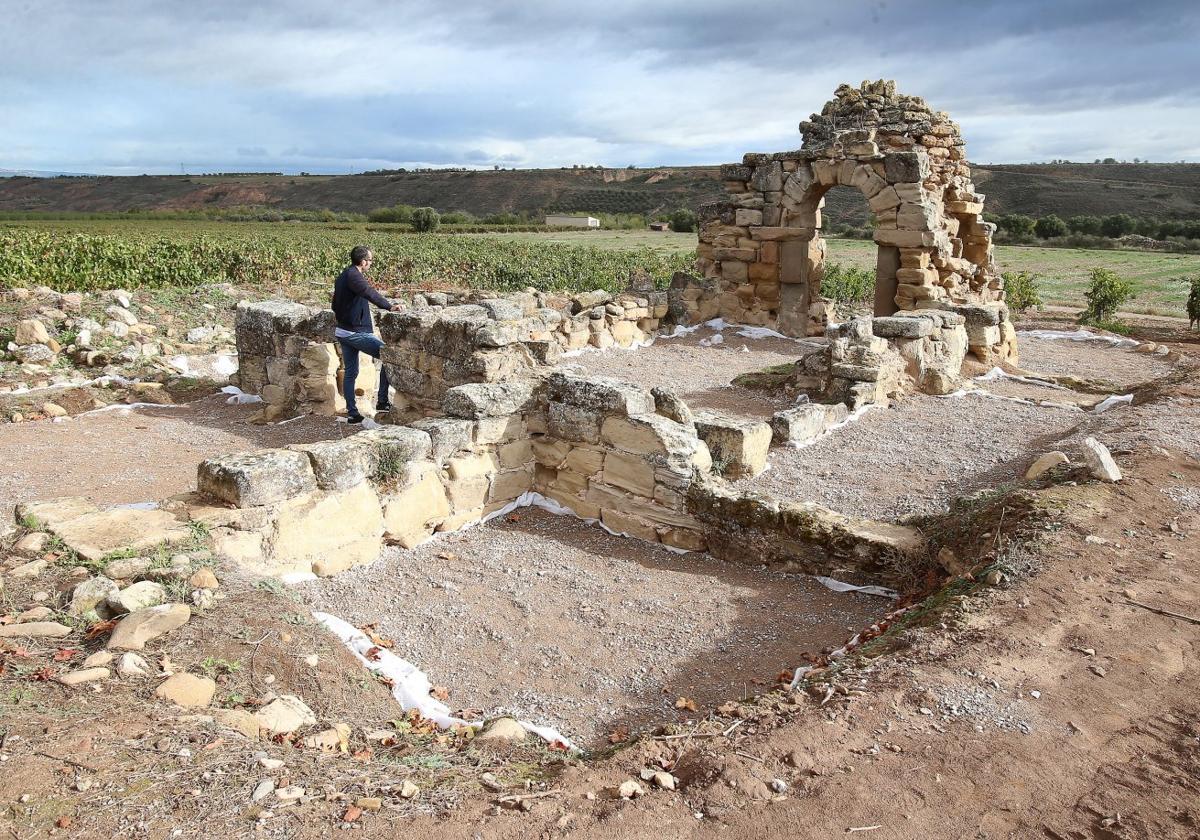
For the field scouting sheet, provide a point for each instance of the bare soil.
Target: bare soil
(556, 621)
(123, 455)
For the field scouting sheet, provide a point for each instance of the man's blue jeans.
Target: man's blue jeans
(352, 345)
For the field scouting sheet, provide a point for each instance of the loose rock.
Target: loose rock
(142, 626)
(285, 715)
(84, 676)
(187, 690)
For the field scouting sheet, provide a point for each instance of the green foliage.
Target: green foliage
(1049, 227)
(215, 667)
(183, 257)
(1021, 290)
(457, 217)
(848, 284)
(683, 221)
(1084, 224)
(401, 213)
(425, 220)
(1017, 225)
(1117, 225)
(1193, 301)
(1108, 291)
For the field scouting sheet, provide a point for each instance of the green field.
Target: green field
(160, 253)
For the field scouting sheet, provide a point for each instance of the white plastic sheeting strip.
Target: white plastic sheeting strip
(996, 373)
(116, 406)
(840, 586)
(75, 383)
(239, 397)
(223, 365)
(1078, 335)
(1111, 402)
(410, 685)
(980, 392)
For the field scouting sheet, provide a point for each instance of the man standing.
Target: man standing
(352, 296)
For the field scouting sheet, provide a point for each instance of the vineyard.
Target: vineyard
(139, 255)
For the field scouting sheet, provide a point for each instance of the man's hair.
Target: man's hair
(359, 253)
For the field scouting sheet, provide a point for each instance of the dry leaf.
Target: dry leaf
(63, 822)
(619, 735)
(64, 654)
(373, 654)
(440, 692)
(214, 744)
(352, 814)
(364, 755)
(100, 628)
(685, 703)
(447, 555)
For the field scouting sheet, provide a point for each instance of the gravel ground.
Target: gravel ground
(135, 455)
(916, 456)
(556, 621)
(700, 374)
(1090, 360)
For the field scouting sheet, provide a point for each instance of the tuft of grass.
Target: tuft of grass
(214, 667)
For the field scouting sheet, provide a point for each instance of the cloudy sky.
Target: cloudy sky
(291, 85)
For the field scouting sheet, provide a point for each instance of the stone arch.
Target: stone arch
(761, 248)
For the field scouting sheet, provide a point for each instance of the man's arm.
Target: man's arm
(359, 285)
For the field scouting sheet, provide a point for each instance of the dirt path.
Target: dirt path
(126, 455)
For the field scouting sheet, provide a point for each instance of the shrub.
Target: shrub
(848, 284)
(400, 213)
(425, 220)
(457, 217)
(1117, 225)
(1193, 301)
(1021, 290)
(1016, 224)
(683, 221)
(1105, 295)
(1049, 227)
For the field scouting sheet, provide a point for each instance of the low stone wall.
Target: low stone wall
(606, 450)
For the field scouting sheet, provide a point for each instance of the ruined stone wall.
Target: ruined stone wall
(606, 450)
(761, 254)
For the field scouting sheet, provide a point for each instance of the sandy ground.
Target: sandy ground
(558, 622)
(136, 455)
(700, 374)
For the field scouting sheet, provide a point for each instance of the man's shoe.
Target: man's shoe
(354, 419)
(383, 406)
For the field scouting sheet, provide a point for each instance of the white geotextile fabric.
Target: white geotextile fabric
(981, 392)
(239, 397)
(1078, 335)
(1111, 402)
(221, 364)
(411, 685)
(996, 373)
(841, 424)
(116, 406)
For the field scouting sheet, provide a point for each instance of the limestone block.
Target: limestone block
(745, 216)
(573, 423)
(738, 446)
(468, 492)
(669, 405)
(518, 453)
(601, 339)
(393, 446)
(339, 464)
(913, 216)
(410, 515)
(797, 185)
(733, 271)
(94, 535)
(320, 359)
(600, 393)
(805, 422)
(31, 331)
(885, 199)
(448, 435)
(902, 327)
(570, 482)
(686, 539)
(980, 336)
(767, 177)
(608, 497)
(584, 460)
(629, 473)
(549, 452)
(256, 478)
(488, 399)
(330, 532)
(1045, 463)
(53, 512)
(491, 430)
(581, 508)
(675, 445)
(135, 629)
(1099, 460)
(509, 484)
(472, 465)
(625, 523)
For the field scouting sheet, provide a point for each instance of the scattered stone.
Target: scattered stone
(83, 784)
(84, 676)
(132, 665)
(291, 793)
(779, 785)
(31, 569)
(204, 579)
(137, 628)
(1045, 463)
(187, 690)
(630, 790)
(239, 720)
(408, 790)
(203, 599)
(269, 763)
(127, 567)
(337, 737)
(51, 409)
(32, 545)
(262, 789)
(664, 780)
(34, 614)
(90, 594)
(98, 659)
(502, 729)
(370, 803)
(312, 660)
(137, 596)
(35, 629)
(1099, 460)
(31, 331)
(489, 781)
(285, 715)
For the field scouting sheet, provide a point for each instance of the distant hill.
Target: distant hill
(1149, 190)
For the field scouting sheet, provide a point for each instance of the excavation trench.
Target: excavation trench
(553, 620)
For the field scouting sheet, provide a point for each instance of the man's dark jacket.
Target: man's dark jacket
(352, 299)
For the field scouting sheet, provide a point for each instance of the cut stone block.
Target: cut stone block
(410, 515)
(94, 535)
(488, 399)
(806, 422)
(339, 464)
(328, 533)
(600, 393)
(738, 446)
(257, 478)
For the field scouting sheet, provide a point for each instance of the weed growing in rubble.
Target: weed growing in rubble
(214, 666)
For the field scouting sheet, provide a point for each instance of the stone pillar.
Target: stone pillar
(887, 262)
